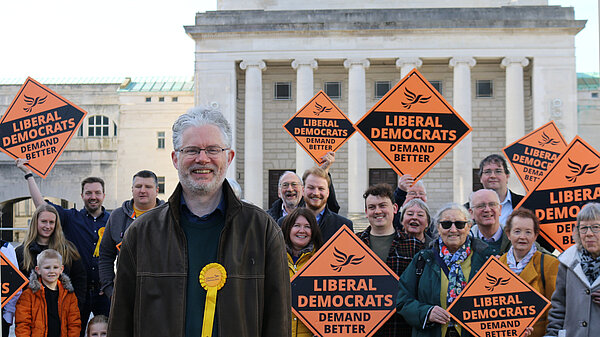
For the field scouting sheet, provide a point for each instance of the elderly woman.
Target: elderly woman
(302, 239)
(576, 300)
(415, 219)
(524, 259)
(445, 269)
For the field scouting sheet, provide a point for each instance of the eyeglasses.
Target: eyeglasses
(414, 194)
(489, 204)
(583, 229)
(496, 172)
(193, 151)
(448, 224)
(286, 185)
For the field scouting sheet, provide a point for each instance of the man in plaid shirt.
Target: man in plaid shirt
(395, 248)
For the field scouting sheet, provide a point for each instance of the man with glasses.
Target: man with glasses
(204, 246)
(290, 191)
(484, 206)
(494, 174)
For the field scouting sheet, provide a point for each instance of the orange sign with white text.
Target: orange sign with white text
(12, 279)
(573, 181)
(344, 289)
(413, 127)
(497, 302)
(38, 125)
(319, 127)
(533, 155)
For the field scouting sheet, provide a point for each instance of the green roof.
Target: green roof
(157, 84)
(588, 81)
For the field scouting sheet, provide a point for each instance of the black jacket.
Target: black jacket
(329, 223)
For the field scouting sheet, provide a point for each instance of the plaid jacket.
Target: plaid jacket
(401, 253)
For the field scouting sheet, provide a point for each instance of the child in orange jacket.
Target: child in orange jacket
(48, 307)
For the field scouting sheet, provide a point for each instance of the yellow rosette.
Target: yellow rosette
(212, 278)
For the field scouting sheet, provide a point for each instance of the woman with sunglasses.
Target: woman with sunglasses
(302, 239)
(524, 259)
(576, 300)
(453, 259)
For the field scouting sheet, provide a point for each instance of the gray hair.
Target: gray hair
(483, 189)
(199, 116)
(448, 207)
(422, 205)
(588, 212)
(419, 183)
(286, 172)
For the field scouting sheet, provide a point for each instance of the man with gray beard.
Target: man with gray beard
(203, 246)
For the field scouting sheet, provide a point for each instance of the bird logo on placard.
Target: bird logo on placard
(345, 260)
(547, 140)
(319, 109)
(578, 170)
(413, 98)
(495, 281)
(33, 101)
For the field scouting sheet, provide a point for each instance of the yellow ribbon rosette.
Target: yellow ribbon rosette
(212, 278)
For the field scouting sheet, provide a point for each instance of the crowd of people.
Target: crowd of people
(162, 251)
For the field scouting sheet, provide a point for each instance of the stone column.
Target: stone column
(304, 92)
(515, 111)
(463, 152)
(253, 134)
(406, 64)
(357, 147)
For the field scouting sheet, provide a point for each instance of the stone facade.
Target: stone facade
(526, 47)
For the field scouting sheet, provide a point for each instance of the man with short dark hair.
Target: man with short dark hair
(144, 192)
(84, 228)
(393, 247)
(203, 246)
(494, 175)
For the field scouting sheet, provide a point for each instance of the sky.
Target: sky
(82, 38)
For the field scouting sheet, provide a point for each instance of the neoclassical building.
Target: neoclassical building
(506, 66)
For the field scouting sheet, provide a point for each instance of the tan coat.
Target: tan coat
(533, 276)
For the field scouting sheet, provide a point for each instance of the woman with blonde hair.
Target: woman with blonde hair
(46, 232)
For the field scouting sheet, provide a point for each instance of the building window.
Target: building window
(148, 99)
(98, 126)
(594, 95)
(477, 185)
(381, 88)
(437, 85)
(379, 176)
(174, 99)
(485, 88)
(161, 99)
(333, 89)
(161, 185)
(80, 131)
(283, 90)
(160, 136)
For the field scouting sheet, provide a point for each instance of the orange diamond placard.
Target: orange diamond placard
(38, 125)
(497, 302)
(12, 279)
(412, 126)
(344, 289)
(319, 127)
(533, 155)
(573, 181)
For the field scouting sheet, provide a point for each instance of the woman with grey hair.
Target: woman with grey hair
(443, 272)
(416, 219)
(576, 307)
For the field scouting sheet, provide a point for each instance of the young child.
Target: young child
(97, 326)
(48, 308)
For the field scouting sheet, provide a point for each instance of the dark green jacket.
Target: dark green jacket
(149, 298)
(415, 309)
